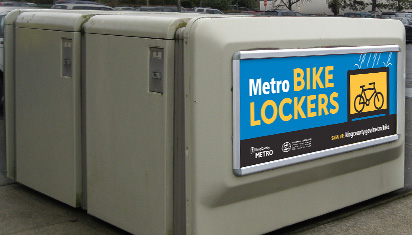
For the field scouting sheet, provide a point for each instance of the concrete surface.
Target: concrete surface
(25, 211)
(394, 217)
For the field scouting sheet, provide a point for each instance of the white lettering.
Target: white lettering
(265, 153)
(254, 87)
(257, 88)
(285, 86)
(266, 87)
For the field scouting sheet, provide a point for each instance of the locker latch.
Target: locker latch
(156, 75)
(67, 57)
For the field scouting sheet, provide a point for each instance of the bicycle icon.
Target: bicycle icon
(361, 100)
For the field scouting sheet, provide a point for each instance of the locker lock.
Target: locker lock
(156, 75)
(67, 62)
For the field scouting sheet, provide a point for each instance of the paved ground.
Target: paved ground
(25, 211)
(393, 217)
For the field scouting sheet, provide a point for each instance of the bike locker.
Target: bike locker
(130, 69)
(271, 136)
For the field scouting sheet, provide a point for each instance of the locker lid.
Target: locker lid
(161, 26)
(295, 32)
(53, 20)
(12, 16)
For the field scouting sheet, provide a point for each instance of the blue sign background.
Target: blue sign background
(283, 69)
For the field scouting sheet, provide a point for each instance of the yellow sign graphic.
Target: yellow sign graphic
(368, 92)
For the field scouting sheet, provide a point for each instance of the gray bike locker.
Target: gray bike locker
(164, 135)
(48, 104)
(66, 31)
(129, 120)
(9, 82)
(224, 60)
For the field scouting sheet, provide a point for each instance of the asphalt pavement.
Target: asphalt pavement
(25, 211)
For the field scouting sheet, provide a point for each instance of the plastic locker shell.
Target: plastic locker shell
(10, 24)
(129, 129)
(221, 202)
(48, 104)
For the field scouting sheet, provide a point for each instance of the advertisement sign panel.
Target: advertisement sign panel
(291, 106)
